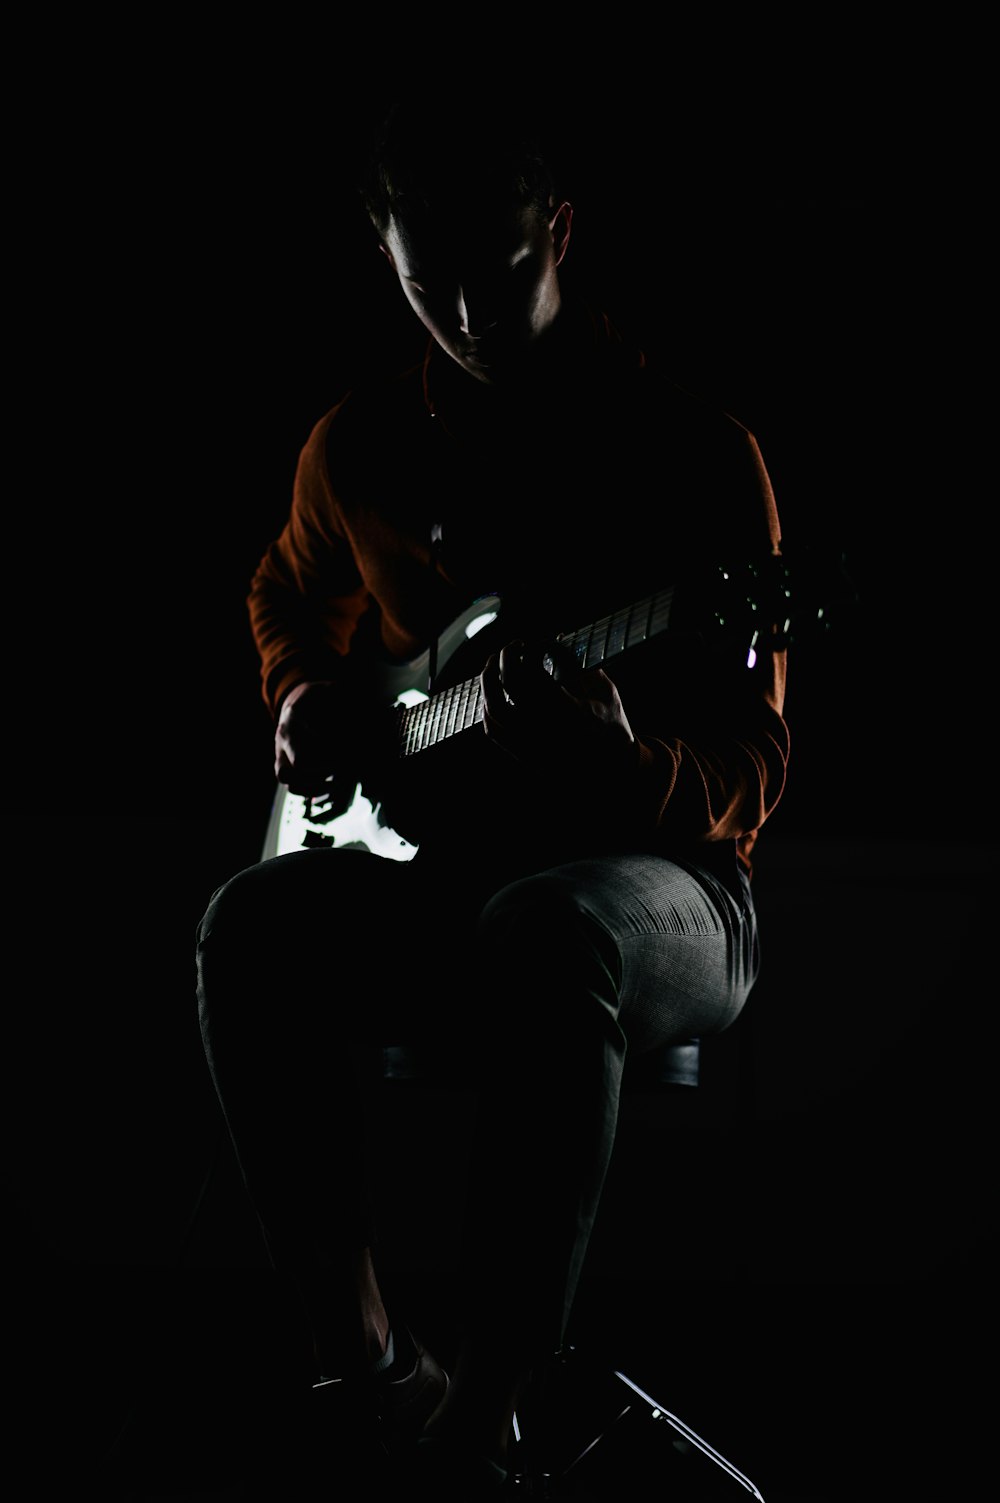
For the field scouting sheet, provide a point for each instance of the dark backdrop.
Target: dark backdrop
(206, 288)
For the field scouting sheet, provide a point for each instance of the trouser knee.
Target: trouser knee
(548, 959)
(239, 941)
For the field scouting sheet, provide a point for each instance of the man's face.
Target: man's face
(485, 286)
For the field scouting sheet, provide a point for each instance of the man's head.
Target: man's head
(467, 215)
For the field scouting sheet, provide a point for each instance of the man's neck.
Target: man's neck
(553, 365)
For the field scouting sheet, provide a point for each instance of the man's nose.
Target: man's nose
(477, 311)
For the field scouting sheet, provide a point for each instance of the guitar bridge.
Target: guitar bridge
(313, 838)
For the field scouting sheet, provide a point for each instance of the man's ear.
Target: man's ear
(387, 253)
(560, 223)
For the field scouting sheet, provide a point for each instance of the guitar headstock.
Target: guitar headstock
(780, 600)
(817, 589)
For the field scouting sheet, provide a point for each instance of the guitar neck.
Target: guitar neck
(460, 707)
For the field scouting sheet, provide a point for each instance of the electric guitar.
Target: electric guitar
(740, 604)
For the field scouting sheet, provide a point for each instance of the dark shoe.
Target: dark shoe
(389, 1412)
(405, 1406)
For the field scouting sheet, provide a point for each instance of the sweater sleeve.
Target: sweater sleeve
(719, 783)
(306, 596)
(712, 743)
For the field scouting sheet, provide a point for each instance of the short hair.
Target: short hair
(424, 159)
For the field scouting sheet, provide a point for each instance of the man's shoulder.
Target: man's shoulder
(633, 366)
(658, 396)
(373, 415)
(377, 400)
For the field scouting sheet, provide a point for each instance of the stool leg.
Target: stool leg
(576, 1428)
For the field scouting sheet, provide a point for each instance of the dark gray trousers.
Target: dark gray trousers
(546, 983)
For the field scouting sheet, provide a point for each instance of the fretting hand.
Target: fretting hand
(577, 719)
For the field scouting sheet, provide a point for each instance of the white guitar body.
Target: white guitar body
(297, 822)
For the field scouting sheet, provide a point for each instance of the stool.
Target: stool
(584, 1424)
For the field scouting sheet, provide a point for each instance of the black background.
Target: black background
(199, 287)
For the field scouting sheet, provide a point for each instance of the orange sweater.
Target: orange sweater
(601, 485)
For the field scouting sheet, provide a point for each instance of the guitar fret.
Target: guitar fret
(406, 730)
(594, 655)
(473, 706)
(445, 724)
(642, 621)
(638, 621)
(418, 728)
(576, 644)
(454, 698)
(429, 708)
(660, 615)
(587, 658)
(432, 709)
(616, 634)
(437, 717)
(439, 714)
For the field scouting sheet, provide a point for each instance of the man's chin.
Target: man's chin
(494, 367)
(479, 372)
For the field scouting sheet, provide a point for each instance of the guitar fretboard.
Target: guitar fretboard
(460, 707)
